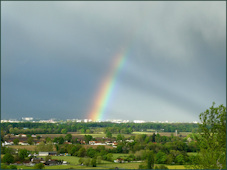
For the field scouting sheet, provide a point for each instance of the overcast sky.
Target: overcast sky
(55, 55)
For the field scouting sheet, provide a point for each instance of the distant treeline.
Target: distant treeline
(125, 128)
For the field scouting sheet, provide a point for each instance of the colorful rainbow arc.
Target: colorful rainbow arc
(107, 87)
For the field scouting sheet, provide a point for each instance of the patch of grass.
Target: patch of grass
(176, 166)
(28, 147)
(132, 165)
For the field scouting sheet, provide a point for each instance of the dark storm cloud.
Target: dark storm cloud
(55, 56)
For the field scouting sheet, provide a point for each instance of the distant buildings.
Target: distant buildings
(27, 118)
(31, 119)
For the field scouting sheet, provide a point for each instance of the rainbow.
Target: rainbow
(107, 86)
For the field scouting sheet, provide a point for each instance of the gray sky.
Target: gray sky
(55, 56)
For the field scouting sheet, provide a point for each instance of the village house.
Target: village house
(96, 143)
(7, 143)
(119, 160)
(52, 153)
(23, 143)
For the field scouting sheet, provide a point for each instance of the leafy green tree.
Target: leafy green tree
(88, 138)
(63, 131)
(109, 157)
(23, 153)
(39, 166)
(150, 160)
(61, 140)
(91, 152)
(180, 159)
(87, 161)
(8, 158)
(81, 161)
(48, 139)
(16, 141)
(82, 152)
(99, 159)
(212, 140)
(93, 162)
(108, 134)
(30, 141)
(160, 157)
(68, 137)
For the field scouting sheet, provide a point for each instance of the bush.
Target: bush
(12, 167)
(8, 158)
(39, 166)
(161, 167)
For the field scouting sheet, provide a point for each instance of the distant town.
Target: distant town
(54, 120)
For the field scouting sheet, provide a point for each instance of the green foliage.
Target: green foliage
(12, 167)
(39, 166)
(212, 139)
(99, 159)
(180, 159)
(108, 134)
(91, 152)
(38, 137)
(161, 167)
(23, 153)
(87, 138)
(8, 158)
(81, 160)
(109, 157)
(93, 162)
(68, 137)
(150, 160)
(30, 140)
(16, 141)
(45, 147)
(47, 158)
(4, 166)
(160, 158)
(87, 161)
(63, 131)
(82, 152)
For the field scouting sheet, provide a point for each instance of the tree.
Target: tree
(63, 131)
(81, 161)
(81, 152)
(212, 139)
(150, 160)
(16, 141)
(30, 141)
(160, 157)
(180, 159)
(68, 137)
(39, 166)
(99, 159)
(8, 158)
(87, 161)
(93, 162)
(108, 134)
(23, 153)
(87, 138)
